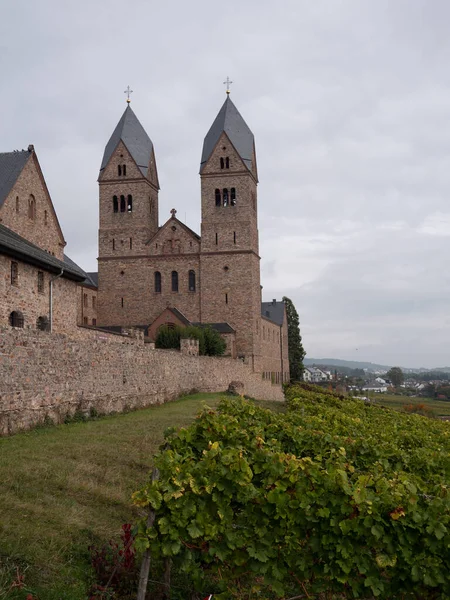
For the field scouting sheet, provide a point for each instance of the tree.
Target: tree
(396, 376)
(210, 342)
(296, 350)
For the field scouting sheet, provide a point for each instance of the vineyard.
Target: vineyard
(334, 498)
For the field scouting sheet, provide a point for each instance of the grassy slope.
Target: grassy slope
(439, 407)
(64, 488)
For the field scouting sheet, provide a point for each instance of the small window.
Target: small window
(119, 170)
(85, 300)
(122, 204)
(226, 298)
(17, 204)
(174, 281)
(233, 196)
(94, 322)
(94, 302)
(115, 204)
(217, 238)
(222, 164)
(122, 302)
(192, 281)
(40, 282)
(131, 243)
(45, 217)
(157, 282)
(114, 244)
(32, 207)
(43, 324)
(130, 203)
(218, 198)
(225, 196)
(16, 319)
(85, 320)
(234, 236)
(227, 163)
(254, 200)
(124, 170)
(14, 273)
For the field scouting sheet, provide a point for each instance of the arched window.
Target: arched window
(227, 163)
(174, 281)
(157, 282)
(233, 196)
(16, 319)
(130, 203)
(225, 196)
(31, 207)
(43, 324)
(119, 170)
(124, 170)
(115, 204)
(222, 165)
(192, 281)
(218, 198)
(122, 204)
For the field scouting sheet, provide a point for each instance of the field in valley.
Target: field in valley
(440, 408)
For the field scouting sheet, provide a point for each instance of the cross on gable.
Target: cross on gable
(173, 213)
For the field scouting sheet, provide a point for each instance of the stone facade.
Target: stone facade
(28, 210)
(51, 375)
(144, 269)
(87, 305)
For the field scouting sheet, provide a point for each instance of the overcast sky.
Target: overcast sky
(349, 101)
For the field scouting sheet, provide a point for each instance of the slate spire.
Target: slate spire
(230, 121)
(130, 131)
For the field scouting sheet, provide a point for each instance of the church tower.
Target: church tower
(229, 260)
(129, 186)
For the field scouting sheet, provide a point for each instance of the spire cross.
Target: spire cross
(173, 212)
(128, 91)
(227, 82)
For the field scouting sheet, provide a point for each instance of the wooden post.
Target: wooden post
(167, 570)
(145, 565)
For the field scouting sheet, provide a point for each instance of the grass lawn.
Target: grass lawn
(66, 487)
(440, 408)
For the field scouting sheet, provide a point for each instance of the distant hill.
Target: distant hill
(369, 366)
(349, 364)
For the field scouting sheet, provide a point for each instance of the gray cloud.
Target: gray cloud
(349, 102)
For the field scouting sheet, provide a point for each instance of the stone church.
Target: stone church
(150, 274)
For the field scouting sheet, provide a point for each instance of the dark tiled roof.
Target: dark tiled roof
(88, 279)
(220, 327)
(135, 138)
(230, 121)
(11, 165)
(274, 311)
(17, 247)
(179, 315)
(94, 278)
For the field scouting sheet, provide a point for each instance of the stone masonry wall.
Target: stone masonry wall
(51, 375)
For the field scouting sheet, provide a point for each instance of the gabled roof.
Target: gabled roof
(274, 311)
(11, 165)
(88, 280)
(230, 121)
(219, 327)
(18, 247)
(133, 135)
(171, 220)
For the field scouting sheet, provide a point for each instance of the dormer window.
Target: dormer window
(115, 204)
(218, 198)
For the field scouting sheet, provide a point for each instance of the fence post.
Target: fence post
(145, 565)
